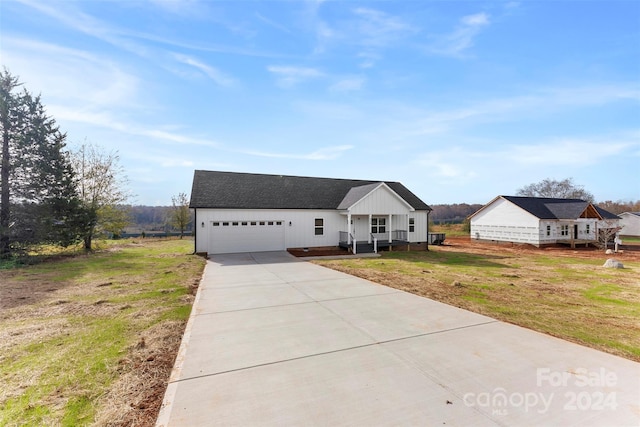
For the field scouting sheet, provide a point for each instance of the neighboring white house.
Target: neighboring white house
(630, 223)
(540, 221)
(241, 212)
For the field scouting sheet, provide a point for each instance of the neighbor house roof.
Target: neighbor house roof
(554, 208)
(233, 190)
(605, 214)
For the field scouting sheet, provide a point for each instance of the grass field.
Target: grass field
(563, 293)
(91, 339)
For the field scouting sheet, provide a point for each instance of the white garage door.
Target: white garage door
(246, 236)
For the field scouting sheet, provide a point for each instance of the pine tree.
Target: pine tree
(38, 198)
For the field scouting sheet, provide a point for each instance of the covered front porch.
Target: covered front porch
(375, 217)
(370, 233)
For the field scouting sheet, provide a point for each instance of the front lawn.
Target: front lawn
(563, 293)
(91, 339)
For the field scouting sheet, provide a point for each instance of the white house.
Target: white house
(242, 212)
(540, 221)
(630, 223)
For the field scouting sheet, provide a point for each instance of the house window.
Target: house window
(548, 230)
(412, 225)
(588, 229)
(216, 224)
(319, 227)
(564, 230)
(378, 225)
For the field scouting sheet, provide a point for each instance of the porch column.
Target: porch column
(389, 228)
(369, 229)
(408, 238)
(348, 227)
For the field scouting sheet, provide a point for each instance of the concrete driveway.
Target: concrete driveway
(273, 340)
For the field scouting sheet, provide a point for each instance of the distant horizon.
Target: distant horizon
(458, 101)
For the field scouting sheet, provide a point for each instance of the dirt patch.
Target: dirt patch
(322, 251)
(471, 246)
(135, 398)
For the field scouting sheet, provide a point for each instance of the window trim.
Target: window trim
(318, 227)
(378, 225)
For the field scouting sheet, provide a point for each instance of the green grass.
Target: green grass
(100, 305)
(567, 296)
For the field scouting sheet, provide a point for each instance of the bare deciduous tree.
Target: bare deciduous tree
(102, 186)
(180, 215)
(564, 189)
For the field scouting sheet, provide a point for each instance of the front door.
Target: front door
(575, 231)
(360, 227)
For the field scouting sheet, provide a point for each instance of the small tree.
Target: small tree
(608, 228)
(101, 188)
(564, 189)
(180, 215)
(113, 219)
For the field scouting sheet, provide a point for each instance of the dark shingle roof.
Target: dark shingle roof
(232, 190)
(605, 214)
(550, 208)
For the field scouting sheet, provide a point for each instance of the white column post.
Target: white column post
(348, 227)
(369, 230)
(390, 230)
(408, 238)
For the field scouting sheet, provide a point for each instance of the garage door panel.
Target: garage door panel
(247, 236)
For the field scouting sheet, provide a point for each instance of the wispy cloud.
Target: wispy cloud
(107, 121)
(540, 157)
(538, 102)
(327, 153)
(348, 84)
(80, 77)
(82, 22)
(213, 73)
(567, 151)
(462, 38)
(273, 24)
(379, 29)
(290, 76)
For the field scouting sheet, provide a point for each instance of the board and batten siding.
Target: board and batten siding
(504, 221)
(381, 201)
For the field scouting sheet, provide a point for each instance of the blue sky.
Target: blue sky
(459, 100)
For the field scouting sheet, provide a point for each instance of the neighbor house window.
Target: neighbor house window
(378, 225)
(319, 227)
(564, 230)
(548, 230)
(412, 225)
(588, 229)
